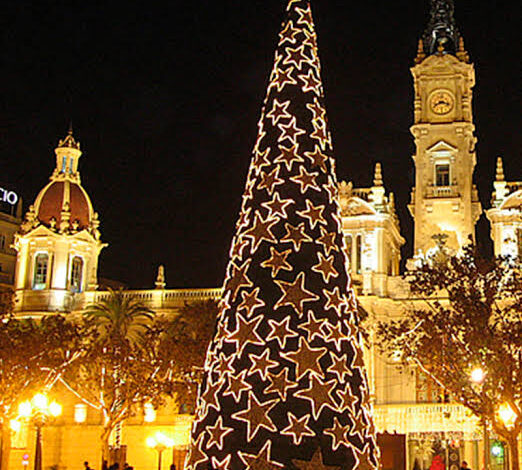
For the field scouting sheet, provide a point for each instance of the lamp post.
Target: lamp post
(508, 417)
(160, 442)
(40, 412)
(477, 376)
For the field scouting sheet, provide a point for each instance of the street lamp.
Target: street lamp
(40, 412)
(477, 377)
(160, 442)
(507, 415)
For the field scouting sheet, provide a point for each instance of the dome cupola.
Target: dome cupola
(63, 205)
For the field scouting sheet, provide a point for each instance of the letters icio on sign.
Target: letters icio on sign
(8, 196)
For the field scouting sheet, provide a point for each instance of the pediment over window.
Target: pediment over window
(354, 206)
(442, 147)
(513, 201)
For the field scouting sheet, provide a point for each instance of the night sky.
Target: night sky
(165, 97)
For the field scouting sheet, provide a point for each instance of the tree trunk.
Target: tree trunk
(513, 452)
(105, 447)
(5, 445)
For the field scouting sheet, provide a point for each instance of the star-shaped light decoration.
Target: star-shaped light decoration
(289, 156)
(313, 214)
(306, 359)
(245, 333)
(280, 384)
(320, 394)
(277, 206)
(251, 302)
(279, 111)
(296, 235)
(298, 428)
(294, 294)
(217, 434)
(261, 364)
(285, 385)
(281, 331)
(237, 385)
(277, 261)
(256, 416)
(338, 434)
(325, 267)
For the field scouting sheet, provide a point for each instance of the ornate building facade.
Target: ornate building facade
(59, 242)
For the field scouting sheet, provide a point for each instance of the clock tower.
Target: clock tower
(444, 200)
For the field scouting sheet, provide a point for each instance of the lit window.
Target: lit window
(149, 413)
(80, 413)
(41, 262)
(76, 274)
(442, 174)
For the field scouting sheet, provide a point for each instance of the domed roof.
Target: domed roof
(63, 205)
(53, 199)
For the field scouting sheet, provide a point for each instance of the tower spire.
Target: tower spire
(285, 384)
(442, 29)
(500, 170)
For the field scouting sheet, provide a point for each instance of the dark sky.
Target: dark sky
(165, 96)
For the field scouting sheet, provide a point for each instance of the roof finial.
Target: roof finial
(500, 169)
(160, 278)
(69, 140)
(462, 54)
(377, 178)
(421, 55)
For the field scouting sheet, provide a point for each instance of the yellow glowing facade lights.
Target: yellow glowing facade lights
(159, 441)
(15, 425)
(39, 404)
(507, 415)
(55, 409)
(40, 401)
(25, 409)
(478, 375)
(80, 413)
(149, 413)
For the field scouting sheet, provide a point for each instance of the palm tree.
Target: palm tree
(122, 322)
(120, 317)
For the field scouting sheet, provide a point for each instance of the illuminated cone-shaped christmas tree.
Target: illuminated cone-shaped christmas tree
(284, 383)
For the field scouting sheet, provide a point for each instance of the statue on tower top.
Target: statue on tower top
(442, 29)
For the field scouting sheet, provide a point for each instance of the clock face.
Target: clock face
(441, 102)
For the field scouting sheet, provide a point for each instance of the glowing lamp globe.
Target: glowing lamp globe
(15, 425)
(478, 375)
(507, 415)
(25, 409)
(497, 450)
(55, 409)
(40, 401)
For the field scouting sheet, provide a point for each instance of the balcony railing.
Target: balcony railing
(157, 299)
(442, 191)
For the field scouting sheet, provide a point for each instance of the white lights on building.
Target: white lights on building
(149, 413)
(80, 413)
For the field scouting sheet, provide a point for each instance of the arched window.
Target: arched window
(41, 262)
(76, 274)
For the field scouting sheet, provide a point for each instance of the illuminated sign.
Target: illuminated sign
(8, 196)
